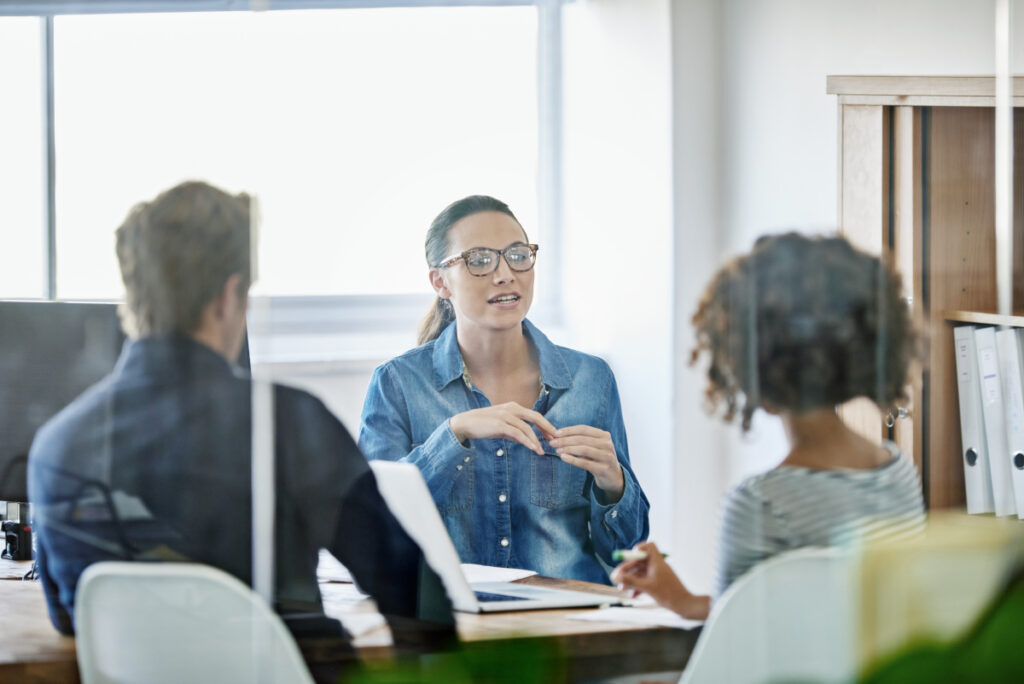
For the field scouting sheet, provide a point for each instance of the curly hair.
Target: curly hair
(802, 323)
(176, 252)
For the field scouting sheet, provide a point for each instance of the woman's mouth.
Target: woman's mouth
(504, 300)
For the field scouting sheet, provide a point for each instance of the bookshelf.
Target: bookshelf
(917, 185)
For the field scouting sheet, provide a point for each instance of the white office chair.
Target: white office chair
(178, 622)
(790, 618)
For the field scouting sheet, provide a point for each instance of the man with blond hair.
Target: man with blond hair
(154, 462)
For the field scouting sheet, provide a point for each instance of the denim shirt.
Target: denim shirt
(503, 504)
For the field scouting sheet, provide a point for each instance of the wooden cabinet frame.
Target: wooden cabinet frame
(917, 185)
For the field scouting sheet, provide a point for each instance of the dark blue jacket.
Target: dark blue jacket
(153, 463)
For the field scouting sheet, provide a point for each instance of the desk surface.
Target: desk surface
(32, 651)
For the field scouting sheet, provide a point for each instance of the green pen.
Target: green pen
(622, 555)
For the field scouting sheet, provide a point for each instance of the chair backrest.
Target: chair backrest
(178, 622)
(790, 618)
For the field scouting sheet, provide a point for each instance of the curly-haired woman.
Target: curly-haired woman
(796, 327)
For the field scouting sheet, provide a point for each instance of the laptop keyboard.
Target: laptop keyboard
(484, 596)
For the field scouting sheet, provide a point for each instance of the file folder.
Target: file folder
(974, 451)
(994, 413)
(1008, 344)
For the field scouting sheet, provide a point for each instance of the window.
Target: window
(22, 189)
(353, 127)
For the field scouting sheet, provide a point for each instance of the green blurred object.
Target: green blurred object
(489, 662)
(990, 652)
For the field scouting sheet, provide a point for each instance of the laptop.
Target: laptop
(406, 494)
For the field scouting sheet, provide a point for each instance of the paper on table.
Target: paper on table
(358, 624)
(330, 570)
(654, 617)
(643, 600)
(485, 573)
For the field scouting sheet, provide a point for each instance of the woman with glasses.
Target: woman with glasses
(520, 441)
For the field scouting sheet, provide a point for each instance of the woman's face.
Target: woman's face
(498, 300)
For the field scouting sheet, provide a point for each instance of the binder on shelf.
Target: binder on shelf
(974, 451)
(1008, 344)
(994, 413)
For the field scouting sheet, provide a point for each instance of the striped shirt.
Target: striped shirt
(791, 507)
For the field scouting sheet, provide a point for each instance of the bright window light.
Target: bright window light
(22, 183)
(353, 127)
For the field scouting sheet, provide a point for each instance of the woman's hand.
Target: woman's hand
(505, 421)
(592, 449)
(653, 576)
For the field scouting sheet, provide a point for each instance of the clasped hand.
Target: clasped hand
(582, 446)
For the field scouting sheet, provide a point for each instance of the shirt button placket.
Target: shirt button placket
(504, 517)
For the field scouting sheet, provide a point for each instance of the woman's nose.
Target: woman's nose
(503, 273)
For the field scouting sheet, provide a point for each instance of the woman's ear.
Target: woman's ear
(438, 283)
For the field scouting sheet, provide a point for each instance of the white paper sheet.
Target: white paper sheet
(358, 624)
(330, 570)
(654, 617)
(485, 573)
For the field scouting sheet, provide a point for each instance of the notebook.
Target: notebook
(406, 494)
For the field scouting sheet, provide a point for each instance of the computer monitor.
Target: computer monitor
(50, 352)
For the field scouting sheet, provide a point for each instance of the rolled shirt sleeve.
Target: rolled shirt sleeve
(624, 523)
(384, 434)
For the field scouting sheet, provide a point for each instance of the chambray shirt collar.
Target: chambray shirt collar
(554, 372)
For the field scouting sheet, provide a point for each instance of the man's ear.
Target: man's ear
(228, 299)
(438, 283)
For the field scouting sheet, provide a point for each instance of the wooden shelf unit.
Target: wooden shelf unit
(917, 185)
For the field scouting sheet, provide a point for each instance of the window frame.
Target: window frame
(283, 322)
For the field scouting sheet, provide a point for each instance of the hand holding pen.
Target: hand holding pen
(650, 574)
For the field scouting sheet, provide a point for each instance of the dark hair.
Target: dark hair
(176, 252)
(437, 246)
(801, 323)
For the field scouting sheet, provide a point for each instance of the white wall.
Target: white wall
(700, 472)
(618, 219)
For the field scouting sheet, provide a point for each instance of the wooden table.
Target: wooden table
(32, 651)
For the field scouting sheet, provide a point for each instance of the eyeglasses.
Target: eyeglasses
(481, 261)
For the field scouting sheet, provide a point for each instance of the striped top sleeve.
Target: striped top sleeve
(793, 507)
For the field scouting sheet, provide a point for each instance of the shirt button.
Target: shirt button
(502, 497)
(466, 460)
(458, 467)
(504, 541)
(499, 452)
(615, 513)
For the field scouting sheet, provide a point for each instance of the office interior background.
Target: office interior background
(641, 143)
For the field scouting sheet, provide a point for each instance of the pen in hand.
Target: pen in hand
(623, 555)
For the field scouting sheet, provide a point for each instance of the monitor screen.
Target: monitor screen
(50, 352)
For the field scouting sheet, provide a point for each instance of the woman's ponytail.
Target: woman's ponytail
(436, 320)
